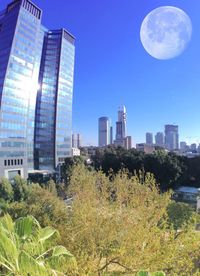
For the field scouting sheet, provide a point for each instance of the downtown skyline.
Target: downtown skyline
(113, 69)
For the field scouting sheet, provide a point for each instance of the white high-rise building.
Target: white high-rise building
(105, 132)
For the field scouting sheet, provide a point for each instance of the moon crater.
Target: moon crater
(166, 32)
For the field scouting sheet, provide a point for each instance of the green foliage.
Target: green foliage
(180, 215)
(27, 249)
(6, 190)
(43, 205)
(116, 224)
(120, 224)
(166, 167)
(51, 187)
(145, 273)
(20, 189)
(67, 167)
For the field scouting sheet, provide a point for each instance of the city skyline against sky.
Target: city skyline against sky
(113, 69)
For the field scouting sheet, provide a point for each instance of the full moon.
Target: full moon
(166, 32)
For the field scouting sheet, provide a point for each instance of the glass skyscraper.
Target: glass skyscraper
(171, 137)
(36, 83)
(105, 132)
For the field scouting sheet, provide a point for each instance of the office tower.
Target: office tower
(76, 140)
(159, 139)
(121, 139)
(121, 123)
(79, 141)
(121, 126)
(36, 65)
(20, 54)
(193, 147)
(149, 138)
(183, 146)
(128, 142)
(104, 131)
(171, 137)
(111, 135)
(54, 101)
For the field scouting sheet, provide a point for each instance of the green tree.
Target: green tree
(67, 167)
(51, 187)
(20, 188)
(27, 249)
(46, 207)
(180, 215)
(121, 225)
(6, 190)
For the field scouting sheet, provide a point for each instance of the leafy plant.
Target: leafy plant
(27, 249)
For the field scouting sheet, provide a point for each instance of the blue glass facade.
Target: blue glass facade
(54, 101)
(36, 70)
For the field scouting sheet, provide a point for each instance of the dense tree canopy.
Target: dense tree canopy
(169, 169)
(118, 222)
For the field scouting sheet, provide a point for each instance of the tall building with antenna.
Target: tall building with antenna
(121, 138)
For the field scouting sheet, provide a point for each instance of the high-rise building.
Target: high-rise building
(128, 142)
(193, 147)
(149, 138)
(160, 139)
(76, 140)
(36, 70)
(79, 141)
(121, 126)
(183, 146)
(121, 138)
(171, 137)
(105, 132)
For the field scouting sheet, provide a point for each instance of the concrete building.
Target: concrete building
(160, 139)
(36, 87)
(128, 142)
(145, 148)
(75, 152)
(193, 147)
(183, 146)
(149, 138)
(105, 132)
(171, 137)
(76, 140)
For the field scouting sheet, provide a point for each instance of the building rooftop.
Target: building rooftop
(191, 190)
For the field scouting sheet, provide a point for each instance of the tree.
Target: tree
(6, 190)
(66, 169)
(166, 167)
(27, 249)
(20, 188)
(51, 187)
(46, 207)
(120, 224)
(180, 215)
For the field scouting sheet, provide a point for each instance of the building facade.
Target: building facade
(54, 101)
(160, 139)
(36, 70)
(145, 148)
(121, 126)
(149, 138)
(105, 132)
(171, 137)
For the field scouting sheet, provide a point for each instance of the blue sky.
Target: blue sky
(113, 69)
